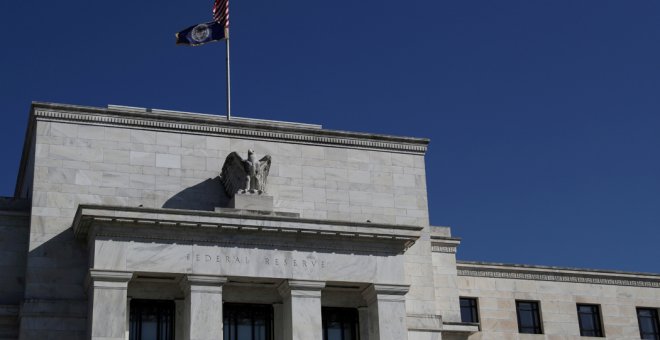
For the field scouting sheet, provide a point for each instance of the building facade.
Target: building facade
(123, 226)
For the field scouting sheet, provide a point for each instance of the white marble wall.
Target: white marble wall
(14, 231)
(78, 163)
(497, 311)
(179, 257)
(202, 307)
(108, 305)
(387, 312)
(301, 309)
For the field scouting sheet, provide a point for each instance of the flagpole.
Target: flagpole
(228, 79)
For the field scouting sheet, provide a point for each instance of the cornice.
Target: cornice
(569, 275)
(196, 123)
(215, 125)
(442, 244)
(204, 226)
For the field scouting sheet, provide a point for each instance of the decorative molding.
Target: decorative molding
(261, 131)
(301, 288)
(202, 284)
(497, 271)
(109, 275)
(444, 244)
(385, 292)
(443, 249)
(202, 226)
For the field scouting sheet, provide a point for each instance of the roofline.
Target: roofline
(551, 269)
(197, 123)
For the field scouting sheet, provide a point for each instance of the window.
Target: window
(340, 323)
(151, 320)
(648, 323)
(589, 320)
(469, 310)
(247, 321)
(529, 317)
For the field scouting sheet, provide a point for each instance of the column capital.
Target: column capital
(301, 288)
(208, 283)
(108, 279)
(389, 292)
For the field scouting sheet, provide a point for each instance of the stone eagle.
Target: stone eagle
(245, 175)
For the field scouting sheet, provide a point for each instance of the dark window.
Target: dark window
(340, 323)
(589, 320)
(469, 310)
(247, 321)
(648, 323)
(151, 320)
(529, 317)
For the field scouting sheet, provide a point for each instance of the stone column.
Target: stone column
(387, 311)
(363, 317)
(278, 322)
(301, 309)
(108, 309)
(202, 310)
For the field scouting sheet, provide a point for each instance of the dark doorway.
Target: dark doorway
(151, 320)
(247, 321)
(340, 323)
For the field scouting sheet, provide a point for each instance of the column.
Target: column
(277, 321)
(363, 316)
(108, 308)
(387, 311)
(202, 310)
(301, 309)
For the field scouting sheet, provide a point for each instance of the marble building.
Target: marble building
(133, 223)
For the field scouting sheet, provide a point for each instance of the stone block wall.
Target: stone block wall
(14, 229)
(558, 292)
(77, 162)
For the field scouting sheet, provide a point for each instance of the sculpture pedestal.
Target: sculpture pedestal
(247, 201)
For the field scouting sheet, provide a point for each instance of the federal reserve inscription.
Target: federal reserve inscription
(276, 261)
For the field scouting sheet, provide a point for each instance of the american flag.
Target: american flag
(221, 12)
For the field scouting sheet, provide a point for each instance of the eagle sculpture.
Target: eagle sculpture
(245, 175)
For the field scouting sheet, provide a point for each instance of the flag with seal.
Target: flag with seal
(201, 34)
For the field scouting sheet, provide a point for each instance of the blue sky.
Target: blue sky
(544, 116)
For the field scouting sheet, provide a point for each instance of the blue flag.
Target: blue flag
(201, 34)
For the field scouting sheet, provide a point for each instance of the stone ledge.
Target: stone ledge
(464, 328)
(219, 222)
(424, 322)
(9, 310)
(211, 124)
(444, 244)
(558, 274)
(54, 308)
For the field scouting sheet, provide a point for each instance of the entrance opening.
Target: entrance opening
(340, 323)
(151, 320)
(244, 321)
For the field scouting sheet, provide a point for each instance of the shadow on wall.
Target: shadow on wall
(205, 196)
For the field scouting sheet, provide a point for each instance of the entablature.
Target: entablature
(241, 228)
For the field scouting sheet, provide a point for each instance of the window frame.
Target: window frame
(136, 308)
(474, 308)
(230, 310)
(537, 329)
(654, 316)
(353, 318)
(597, 319)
